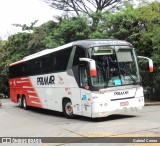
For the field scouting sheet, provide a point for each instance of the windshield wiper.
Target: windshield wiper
(107, 72)
(130, 75)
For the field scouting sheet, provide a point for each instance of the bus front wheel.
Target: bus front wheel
(68, 109)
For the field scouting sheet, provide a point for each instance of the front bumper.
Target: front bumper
(117, 107)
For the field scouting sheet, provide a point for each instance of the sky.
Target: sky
(23, 12)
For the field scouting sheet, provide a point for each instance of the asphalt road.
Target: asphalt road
(17, 122)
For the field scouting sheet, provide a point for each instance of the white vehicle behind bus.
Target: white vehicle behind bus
(93, 78)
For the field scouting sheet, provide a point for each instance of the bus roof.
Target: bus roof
(97, 42)
(85, 43)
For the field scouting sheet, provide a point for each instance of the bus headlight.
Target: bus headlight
(140, 99)
(95, 97)
(103, 104)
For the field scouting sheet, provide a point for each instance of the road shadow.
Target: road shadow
(107, 118)
(79, 118)
(44, 111)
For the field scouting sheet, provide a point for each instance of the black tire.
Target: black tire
(20, 104)
(25, 106)
(68, 109)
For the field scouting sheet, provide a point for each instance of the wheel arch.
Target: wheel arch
(18, 96)
(64, 99)
(25, 96)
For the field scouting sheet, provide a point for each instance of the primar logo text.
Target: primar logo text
(48, 80)
(121, 93)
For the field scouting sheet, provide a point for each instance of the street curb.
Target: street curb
(152, 103)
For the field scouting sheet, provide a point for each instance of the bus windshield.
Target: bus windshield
(116, 66)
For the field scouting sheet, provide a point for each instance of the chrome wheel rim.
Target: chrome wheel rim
(19, 102)
(69, 109)
(24, 102)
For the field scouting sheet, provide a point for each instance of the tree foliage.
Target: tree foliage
(12, 50)
(140, 26)
(91, 8)
(71, 29)
(37, 39)
(82, 6)
(25, 27)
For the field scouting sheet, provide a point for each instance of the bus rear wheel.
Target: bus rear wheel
(20, 104)
(68, 109)
(25, 106)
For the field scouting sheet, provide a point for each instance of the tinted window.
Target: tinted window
(79, 53)
(15, 71)
(48, 63)
(53, 62)
(34, 66)
(62, 58)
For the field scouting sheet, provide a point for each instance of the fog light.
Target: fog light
(140, 99)
(105, 104)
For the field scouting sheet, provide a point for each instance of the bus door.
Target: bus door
(85, 93)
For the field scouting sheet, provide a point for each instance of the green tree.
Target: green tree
(3, 80)
(71, 29)
(141, 27)
(151, 16)
(25, 27)
(41, 37)
(12, 50)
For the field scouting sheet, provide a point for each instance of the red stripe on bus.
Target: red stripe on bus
(23, 86)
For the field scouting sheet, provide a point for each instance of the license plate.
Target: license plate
(126, 103)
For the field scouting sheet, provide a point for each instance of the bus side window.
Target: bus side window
(48, 65)
(35, 66)
(83, 77)
(62, 59)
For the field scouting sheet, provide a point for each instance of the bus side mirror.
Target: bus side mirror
(150, 63)
(92, 66)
